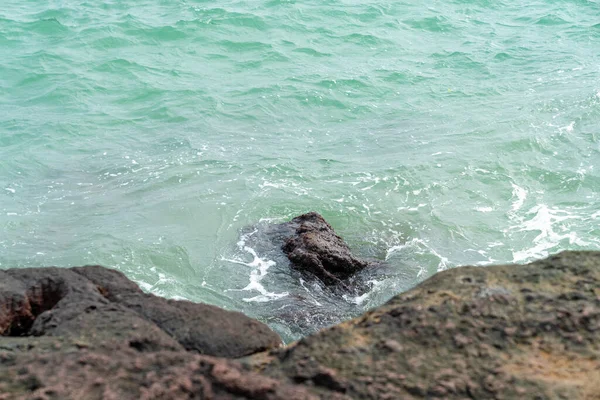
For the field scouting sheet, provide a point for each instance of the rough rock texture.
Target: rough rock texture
(90, 333)
(57, 368)
(501, 332)
(94, 304)
(315, 248)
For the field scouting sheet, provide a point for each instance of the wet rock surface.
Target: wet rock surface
(499, 332)
(312, 246)
(294, 300)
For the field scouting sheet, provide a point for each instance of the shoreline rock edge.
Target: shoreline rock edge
(506, 331)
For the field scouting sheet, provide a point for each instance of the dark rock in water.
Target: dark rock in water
(94, 304)
(314, 247)
(498, 332)
(314, 297)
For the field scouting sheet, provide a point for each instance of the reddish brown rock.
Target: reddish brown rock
(499, 332)
(52, 368)
(95, 304)
(90, 333)
(203, 328)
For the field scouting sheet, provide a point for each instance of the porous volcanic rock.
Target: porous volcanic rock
(313, 246)
(59, 368)
(500, 332)
(94, 305)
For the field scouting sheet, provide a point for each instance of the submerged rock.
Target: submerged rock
(499, 332)
(312, 246)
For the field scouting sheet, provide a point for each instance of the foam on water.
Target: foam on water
(312, 298)
(375, 286)
(419, 247)
(519, 195)
(550, 223)
(259, 270)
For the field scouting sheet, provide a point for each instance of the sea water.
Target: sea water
(159, 137)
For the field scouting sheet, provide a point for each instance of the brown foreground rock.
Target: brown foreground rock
(90, 333)
(94, 304)
(501, 332)
(57, 368)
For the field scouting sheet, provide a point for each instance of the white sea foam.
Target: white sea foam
(488, 259)
(307, 290)
(393, 250)
(411, 208)
(568, 128)
(145, 286)
(520, 195)
(444, 262)
(359, 300)
(260, 268)
(419, 246)
(163, 281)
(548, 221)
(283, 184)
(268, 220)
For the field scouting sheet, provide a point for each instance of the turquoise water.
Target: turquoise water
(153, 137)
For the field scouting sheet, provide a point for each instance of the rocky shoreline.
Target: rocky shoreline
(499, 332)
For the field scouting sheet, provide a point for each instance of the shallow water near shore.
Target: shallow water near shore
(159, 138)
